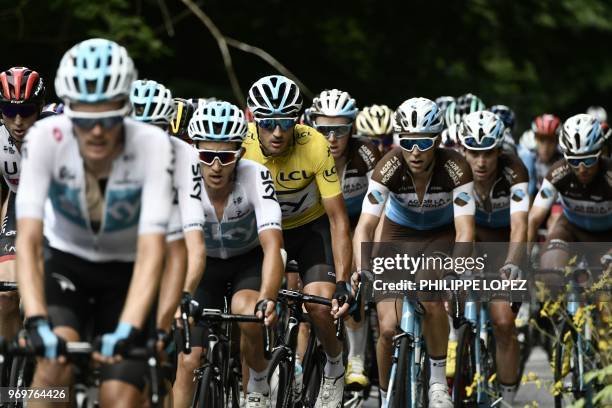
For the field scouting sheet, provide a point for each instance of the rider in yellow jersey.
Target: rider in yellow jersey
(315, 222)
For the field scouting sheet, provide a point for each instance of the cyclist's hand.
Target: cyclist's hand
(266, 308)
(510, 271)
(186, 299)
(113, 344)
(43, 341)
(341, 301)
(355, 279)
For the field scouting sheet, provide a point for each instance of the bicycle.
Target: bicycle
(283, 355)
(409, 377)
(219, 377)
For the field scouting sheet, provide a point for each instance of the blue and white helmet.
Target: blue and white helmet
(581, 134)
(418, 115)
(505, 114)
(95, 70)
(482, 130)
(218, 122)
(151, 102)
(274, 95)
(334, 103)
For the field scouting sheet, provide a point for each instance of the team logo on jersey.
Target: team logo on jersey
(462, 199)
(64, 283)
(282, 178)
(454, 171)
(268, 185)
(518, 195)
(546, 193)
(10, 172)
(331, 175)
(375, 197)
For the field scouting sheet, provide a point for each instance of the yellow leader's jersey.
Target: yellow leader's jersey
(302, 175)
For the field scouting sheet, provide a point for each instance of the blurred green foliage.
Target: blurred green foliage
(534, 55)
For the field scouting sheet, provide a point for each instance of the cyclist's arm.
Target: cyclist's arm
(543, 202)
(156, 205)
(30, 273)
(371, 211)
(364, 232)
(196, 259)
(464, 208)
(172, 281)
(340, 236)
(272, 269)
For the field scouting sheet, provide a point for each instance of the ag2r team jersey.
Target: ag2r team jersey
(302, 176)
(362, 157)
(586, 206)
(10, 159)
(507, 196)
(251, 208)
(137, 198)
(449, 192)
(187, 213)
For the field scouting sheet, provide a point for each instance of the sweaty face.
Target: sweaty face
(337, 145)
(482, 162)
(546, 148)
(275, 142)
(98, 144)
(19, 125)
(217, 176)
(418, 161)
(585, 174)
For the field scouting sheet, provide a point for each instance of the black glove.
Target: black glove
(343, 293)
(41, 338)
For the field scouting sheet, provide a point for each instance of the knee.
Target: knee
(388, 329)
(504, 328)
(434, 309)
(113, 391)
(319, 313)
(251, 332)
(53, 374)
(187, 363)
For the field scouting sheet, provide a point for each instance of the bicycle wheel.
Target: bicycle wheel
(465, 367)
(399, 396)
(281, 373)
(314, 362)
(422, 397)
(233, 386)
(208, 394)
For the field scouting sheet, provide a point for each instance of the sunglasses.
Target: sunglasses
(107, 123)
(472, 143)
(587, 161)
(423, 144)
(338, 131)
(272, 123)
(225, 157)
(11, 110)
(386, 141)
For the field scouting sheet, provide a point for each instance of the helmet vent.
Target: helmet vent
(414, 118)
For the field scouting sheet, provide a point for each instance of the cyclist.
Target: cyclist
(453, 115)
(375, 122)
(314, 214)
(443, 102)
(22, 93)
(581, 180)
(502, 205)
(152, 103)
(243, 239)
(105, 220)
(430, 204)
(333, 114)
(508, 118)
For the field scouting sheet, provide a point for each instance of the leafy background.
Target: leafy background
(534, 55)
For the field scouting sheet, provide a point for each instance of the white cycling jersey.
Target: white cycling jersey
(137, 198)
(251, 208)
(187, 212)
(10, 159)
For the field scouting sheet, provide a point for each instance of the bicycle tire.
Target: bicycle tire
(283, 362)
(423, 380)
(209, 391)
(233, 389)
(399, 397)
(465, 367)
(312, 382)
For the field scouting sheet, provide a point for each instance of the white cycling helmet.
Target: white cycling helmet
(152, 102)
(218, 122)
(418, 115)
(482, 130)
(375, 120)
(95, 70)
(450, 137)
(274, 95)
(581, 134)
(334, 103)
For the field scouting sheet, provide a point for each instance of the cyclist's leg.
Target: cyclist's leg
(210, 293)
(388, 311)
(10, 320)
(507, 347)
(556, 253)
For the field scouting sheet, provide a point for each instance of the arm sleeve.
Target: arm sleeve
(519, 198)
(263, 197)
(463, 200)
(157, 193)
(190, 189)
(36, 172)
(528, 159)
(175, 231)
(546, 196)
(325, 172)
(374, 201)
